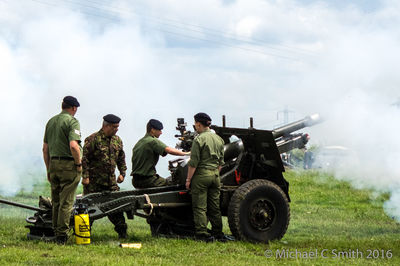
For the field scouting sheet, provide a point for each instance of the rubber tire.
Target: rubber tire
(242, 199)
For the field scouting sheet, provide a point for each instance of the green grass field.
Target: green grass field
(331, 223)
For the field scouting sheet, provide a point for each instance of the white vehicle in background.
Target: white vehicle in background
(329, 157)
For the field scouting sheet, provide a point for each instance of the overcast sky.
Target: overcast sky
(168, 59)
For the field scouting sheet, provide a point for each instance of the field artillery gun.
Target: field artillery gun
(254, 192)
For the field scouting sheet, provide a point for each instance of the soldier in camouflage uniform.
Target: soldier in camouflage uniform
(102, 153)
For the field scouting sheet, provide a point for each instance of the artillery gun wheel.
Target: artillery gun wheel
(258, 211)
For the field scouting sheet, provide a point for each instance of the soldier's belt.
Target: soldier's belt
(141, 177)
(207, 170)
(61, 158)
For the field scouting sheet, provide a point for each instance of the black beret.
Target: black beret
(154, 123)
(71, 101)
(202, 117)
(112, 119)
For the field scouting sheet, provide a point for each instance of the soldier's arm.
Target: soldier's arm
(46, 158)
(190, 174)
(87, 150)
(76, 152)
(121, 162)
(221, 159)
(195, 154)
(46, 155)
(193, 162)
(74, 137)
(173, 151)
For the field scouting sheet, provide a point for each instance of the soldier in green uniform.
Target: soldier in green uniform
(102, 153)
(145, 155)
(206, 159)
(62, 155)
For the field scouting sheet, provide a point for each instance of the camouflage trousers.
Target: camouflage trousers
(64, 179)
(117, 219)
(205, 189)
(139, 181)
(93, 187)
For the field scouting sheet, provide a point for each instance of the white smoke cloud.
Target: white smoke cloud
(148, 59)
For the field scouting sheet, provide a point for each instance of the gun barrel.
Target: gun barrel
(291, 127)
(20, 205)
(295, 142)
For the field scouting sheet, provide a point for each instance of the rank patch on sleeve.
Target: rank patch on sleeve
(77, 132)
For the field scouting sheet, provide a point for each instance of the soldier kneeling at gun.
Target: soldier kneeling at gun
(145, 155)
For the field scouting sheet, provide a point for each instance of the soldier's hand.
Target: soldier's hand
(120, 179)
(187, 184)
(85, 181)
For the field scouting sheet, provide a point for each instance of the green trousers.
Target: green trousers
(64, 179)
(205, 188)
(139, 181)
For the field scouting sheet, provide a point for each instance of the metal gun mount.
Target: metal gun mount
(254, 192)
(185, 137)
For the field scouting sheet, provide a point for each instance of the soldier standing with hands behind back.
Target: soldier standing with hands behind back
(62, 156)
(102, 153)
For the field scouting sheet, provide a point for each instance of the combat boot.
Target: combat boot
(122, 235)
(205, 238)
(224, 238)
(121, 229)
(61, 239)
